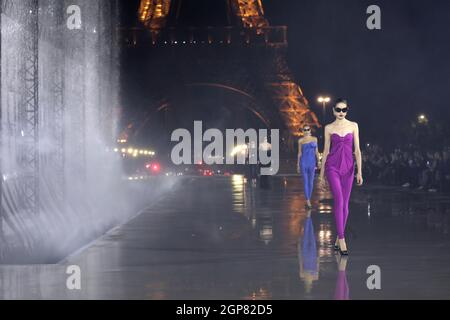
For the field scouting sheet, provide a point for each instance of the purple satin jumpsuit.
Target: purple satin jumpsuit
(340, 172)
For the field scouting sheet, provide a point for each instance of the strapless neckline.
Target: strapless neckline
(342, 136)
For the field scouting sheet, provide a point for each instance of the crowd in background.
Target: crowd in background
(408, 167)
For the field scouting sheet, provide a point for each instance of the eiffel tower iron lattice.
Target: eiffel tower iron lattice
(246, 55)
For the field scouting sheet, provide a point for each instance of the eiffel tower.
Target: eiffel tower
(223, 46)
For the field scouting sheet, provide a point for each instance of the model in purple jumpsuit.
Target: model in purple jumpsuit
(340, 169)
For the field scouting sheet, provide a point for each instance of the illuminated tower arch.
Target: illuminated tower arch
(250, 35)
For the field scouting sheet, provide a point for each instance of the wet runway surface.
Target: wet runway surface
(224, 238)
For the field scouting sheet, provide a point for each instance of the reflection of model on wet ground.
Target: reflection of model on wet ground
(309, 261)
(307, 254)
(225, 238)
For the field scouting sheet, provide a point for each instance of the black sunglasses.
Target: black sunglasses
(306, 129)
(344, 110)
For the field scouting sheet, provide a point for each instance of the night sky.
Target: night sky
(389, 76)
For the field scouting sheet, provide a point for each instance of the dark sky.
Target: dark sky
(388, 75)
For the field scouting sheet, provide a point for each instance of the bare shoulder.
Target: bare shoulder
(355, 125)
(300, 140)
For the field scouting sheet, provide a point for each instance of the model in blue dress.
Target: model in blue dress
(308, 157)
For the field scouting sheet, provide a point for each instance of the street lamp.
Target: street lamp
(422, 119)
(324, 101)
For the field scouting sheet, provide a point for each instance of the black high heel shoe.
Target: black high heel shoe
(343, 252)
(336, 247)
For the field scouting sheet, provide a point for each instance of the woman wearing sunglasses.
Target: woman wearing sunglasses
(339, 166)
(307, 156)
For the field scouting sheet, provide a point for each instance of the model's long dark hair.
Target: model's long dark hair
(341, 100)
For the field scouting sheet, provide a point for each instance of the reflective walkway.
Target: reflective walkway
(222, 238)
